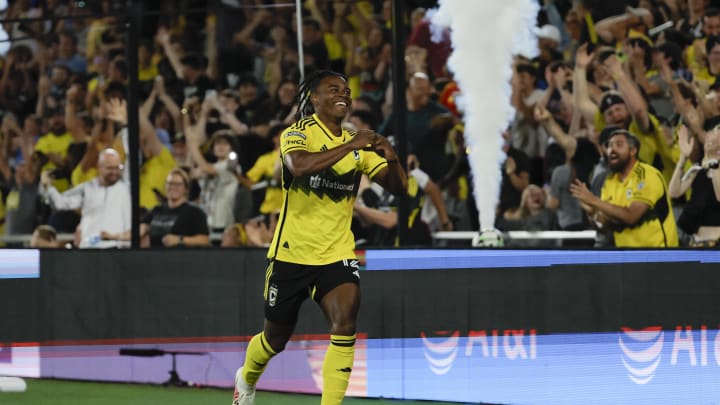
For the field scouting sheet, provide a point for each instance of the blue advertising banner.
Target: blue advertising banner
(648, 366)
(19, 263)
(419, 259)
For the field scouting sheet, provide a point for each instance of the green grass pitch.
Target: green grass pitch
(63, 392)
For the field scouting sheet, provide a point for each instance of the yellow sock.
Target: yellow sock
(257, 356)
(336, 369)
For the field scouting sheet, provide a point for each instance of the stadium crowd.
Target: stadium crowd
(617, 121)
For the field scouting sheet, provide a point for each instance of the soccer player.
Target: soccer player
(312, 252)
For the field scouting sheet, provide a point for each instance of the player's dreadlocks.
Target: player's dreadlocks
(305, 107)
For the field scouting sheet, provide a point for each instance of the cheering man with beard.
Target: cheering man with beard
(634, 203)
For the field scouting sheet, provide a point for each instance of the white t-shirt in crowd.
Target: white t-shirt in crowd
(102, 209)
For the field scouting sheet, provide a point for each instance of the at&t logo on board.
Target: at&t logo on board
(441, 348)
(643, 349)
(441, 354)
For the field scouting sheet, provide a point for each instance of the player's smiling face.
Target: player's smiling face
(332, 97)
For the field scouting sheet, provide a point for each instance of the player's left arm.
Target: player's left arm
(392, 177)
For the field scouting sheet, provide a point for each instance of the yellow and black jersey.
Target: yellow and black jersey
(645, 184)
(264, 169)
(314, 223)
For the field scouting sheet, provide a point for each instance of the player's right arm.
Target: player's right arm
(302, 162)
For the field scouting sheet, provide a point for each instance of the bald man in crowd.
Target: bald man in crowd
(104, 203)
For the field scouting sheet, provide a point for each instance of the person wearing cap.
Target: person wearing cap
(625, 108)
(219, 184)
(548, 37)
(634, 203)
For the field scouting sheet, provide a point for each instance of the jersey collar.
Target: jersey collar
(336, 139)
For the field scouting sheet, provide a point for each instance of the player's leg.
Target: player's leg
(285, 290)
(263, 347)
(340, 305)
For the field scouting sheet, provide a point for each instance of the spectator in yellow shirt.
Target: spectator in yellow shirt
(267, 168)
(634, 203)
(53, 147)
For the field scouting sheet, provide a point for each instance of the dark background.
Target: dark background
(85, 295)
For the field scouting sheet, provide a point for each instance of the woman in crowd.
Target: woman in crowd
(532, 215)
(700, 217)
(175, 222)
(218, 182)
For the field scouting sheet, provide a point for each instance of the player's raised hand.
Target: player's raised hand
(364, 139)
(383, 147)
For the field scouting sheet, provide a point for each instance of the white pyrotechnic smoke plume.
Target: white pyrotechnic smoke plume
(485, 35)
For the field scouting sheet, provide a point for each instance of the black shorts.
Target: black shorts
(287, 285)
